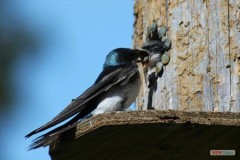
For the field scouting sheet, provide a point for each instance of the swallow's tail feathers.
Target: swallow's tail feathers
(102, 84)
(58, 119)
(47, 138)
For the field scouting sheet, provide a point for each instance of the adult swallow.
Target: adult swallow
(115, 89)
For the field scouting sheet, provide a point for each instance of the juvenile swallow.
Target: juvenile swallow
(156, 49)
(115, 89)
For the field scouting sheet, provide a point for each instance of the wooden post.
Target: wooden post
(146, 135)
(203, 73)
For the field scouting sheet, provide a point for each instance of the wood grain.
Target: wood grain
(203, 73)
(147, 134)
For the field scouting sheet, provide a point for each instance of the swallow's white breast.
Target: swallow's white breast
(119, 98)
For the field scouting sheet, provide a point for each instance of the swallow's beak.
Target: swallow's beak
(142, 55)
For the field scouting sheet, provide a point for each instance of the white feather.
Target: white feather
(118, 99)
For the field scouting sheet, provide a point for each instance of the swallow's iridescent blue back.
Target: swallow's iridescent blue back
(119, 56)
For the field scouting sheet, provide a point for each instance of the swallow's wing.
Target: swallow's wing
(108, 78)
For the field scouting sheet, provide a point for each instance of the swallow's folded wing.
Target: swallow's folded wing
(108, 78)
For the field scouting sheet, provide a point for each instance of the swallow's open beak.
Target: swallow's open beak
(142, 56)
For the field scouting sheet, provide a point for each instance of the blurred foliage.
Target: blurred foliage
(15, 39)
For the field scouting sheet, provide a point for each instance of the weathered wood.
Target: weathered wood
(234, 40)
(147, 135)
(203, 73)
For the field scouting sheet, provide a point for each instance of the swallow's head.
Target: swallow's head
(125, 56)
(155, 50)
(154, 46)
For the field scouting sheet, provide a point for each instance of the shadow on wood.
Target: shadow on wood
(146, 135)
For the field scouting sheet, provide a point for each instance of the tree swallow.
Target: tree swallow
(156, 49)
(115, 89)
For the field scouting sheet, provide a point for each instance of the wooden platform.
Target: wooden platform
(150, 135)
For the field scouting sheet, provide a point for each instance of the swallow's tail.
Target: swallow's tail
(51, 136)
